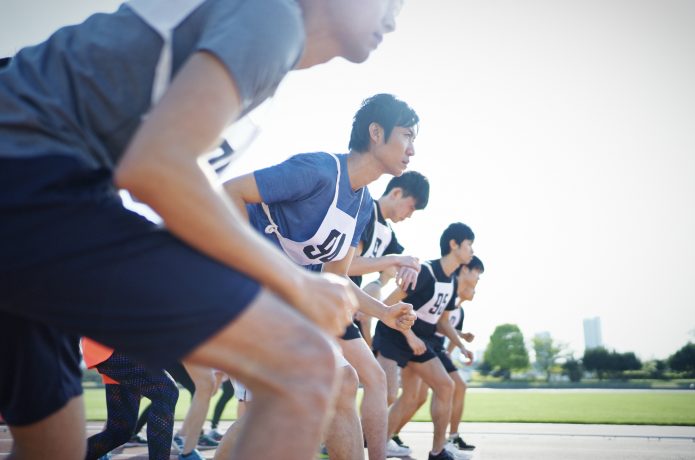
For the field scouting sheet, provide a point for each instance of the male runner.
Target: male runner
(133, 100)
(315, 207)
(432, 298)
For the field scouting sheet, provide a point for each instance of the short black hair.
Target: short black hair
(413, 184)
(384, 109)
(476, 264)
(4, 62)
(457, 232)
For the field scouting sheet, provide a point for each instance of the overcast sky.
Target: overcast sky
(562, 132)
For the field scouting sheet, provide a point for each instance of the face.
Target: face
(395, 153)
(359, 26)
(467, 282)
(403, 208)
(463, 251)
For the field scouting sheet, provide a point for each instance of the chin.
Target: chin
(357, 55)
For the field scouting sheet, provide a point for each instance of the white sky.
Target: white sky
(562, 132)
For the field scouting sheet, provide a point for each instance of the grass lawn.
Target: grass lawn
(639, 408)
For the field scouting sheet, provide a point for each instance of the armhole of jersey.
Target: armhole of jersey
(429, 267)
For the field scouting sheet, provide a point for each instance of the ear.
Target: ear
(396, 193)
(453, 244)
(376, 132)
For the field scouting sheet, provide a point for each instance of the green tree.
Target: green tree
(506, 350)
(597, 360)
(684, 359)
(547, 353)
(572, 369)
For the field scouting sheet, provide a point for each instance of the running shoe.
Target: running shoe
(443, 455)
(205, 442)
(456, 453)
(136, 441)
(179, 442)
(394, 450)
(397, 438)
(460, 443)
(216, 435)
(193, 455)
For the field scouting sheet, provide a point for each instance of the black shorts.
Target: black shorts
(437, 343)
(74, 260)
(392, 344)
(352, 332)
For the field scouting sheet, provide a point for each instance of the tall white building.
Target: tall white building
(592, 333)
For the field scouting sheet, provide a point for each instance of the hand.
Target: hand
(416, 344)
(468, 354)
(406, 278)
(359, 316)
(468, 337)
(399, 316)
(327, 300)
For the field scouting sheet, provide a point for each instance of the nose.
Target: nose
(392, 10)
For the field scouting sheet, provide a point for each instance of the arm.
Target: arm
(399, 316)
(363, 265)
(162, 167)
(414, 342)
(445, 327)
(467, 336)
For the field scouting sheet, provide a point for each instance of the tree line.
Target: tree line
(507, 352)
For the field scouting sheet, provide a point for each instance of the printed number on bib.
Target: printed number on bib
(439, 304)
(327, 250)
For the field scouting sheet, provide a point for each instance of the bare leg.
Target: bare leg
(391, 371)
(405, 405)
(289, 367)
(231, 436)
(433, 374)
(344, 435)
(458, 401)
(373, 409)
(411, 383)
(62, 435)
(204, 381)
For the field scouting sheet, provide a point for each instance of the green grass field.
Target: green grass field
(639, 408)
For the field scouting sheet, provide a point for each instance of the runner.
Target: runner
(133, 100)
(432, 298)
(315, 207)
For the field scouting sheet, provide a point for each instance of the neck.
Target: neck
(319, 43)
(385, 207)
(449, 264)
(363, 169)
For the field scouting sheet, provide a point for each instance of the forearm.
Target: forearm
(368, 304)
(445, 328)
(363, 265)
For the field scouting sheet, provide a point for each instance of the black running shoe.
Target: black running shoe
(461, 444)
(443, 455)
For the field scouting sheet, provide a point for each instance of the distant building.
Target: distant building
(592, 333)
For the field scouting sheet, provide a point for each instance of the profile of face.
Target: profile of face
(403, 206)
(467, 293)
(467, 280)
(359, 26)
(393, 153)
(463, 251)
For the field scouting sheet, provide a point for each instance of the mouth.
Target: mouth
(378, 38)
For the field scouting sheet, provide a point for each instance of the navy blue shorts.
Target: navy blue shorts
(392, 344)
(352, 332)
(437, 343)
(76, 261)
